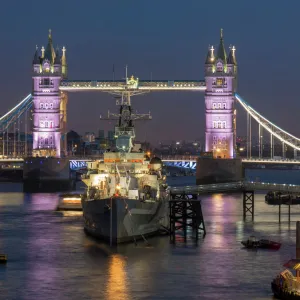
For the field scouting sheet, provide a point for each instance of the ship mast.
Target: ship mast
(124, 129)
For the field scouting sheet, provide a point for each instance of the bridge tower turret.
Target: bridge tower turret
(47, 74)
(220, 78)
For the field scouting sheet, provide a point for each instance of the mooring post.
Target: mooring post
(289, 214)
(170, 218)
(298, 240)
(244, 205)
(184, 218)
(279, 212)
(298, 245)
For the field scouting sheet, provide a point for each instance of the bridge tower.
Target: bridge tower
(221, 84)
(49, 104)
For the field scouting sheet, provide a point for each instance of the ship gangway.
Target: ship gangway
(248, 188)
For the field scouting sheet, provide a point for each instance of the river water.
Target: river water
(50, 257)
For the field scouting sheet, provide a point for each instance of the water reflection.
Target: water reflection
(117, 286)
(43, 201)
(11, 199)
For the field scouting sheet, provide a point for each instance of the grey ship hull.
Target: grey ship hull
(131, 219)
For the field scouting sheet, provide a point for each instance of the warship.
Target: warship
(126, 196)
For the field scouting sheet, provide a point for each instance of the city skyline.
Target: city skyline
(154, 44)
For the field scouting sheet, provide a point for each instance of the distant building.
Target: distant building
(74, 143)
(101, 134)
(89, 137)
(111, 135)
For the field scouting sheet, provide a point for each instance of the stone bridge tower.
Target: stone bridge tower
(49, 104)
(221, 83)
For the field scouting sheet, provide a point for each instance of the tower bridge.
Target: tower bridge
(51, 86)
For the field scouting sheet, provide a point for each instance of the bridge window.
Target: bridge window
(51, 124)
(214, 105)
(51, 105)
(215, 124)
(220, 124)
(42, 124)
(214, 142)
(224, 124)
(219, 105)
(220, 81)
(214, 138)
(41, 140)
(46, 105)
(42, 105)
(224, 105)
(46, 141)
(45, 81)
(46, 124)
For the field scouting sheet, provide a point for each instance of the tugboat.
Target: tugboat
(286, 286)
(253, 243)
(126, 196)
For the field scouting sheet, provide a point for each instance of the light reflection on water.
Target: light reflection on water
(50, 257)
(117, 286)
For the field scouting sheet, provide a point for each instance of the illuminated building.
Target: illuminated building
(49, 104)
(221, 81)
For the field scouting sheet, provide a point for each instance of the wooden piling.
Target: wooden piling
(248, 204)
(279, 213)
(298, 240)
(185, 208)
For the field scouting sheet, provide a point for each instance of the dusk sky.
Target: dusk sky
(168, 38)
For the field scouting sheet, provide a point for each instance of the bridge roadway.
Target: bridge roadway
(188, 162)
(178, 158)
(235, 186)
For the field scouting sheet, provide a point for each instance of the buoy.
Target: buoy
(3, 258)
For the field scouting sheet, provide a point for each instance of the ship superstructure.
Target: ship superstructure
(126, 195)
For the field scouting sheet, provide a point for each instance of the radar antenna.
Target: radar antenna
(124, 129)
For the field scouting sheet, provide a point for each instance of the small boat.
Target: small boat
(69, 202)
(253, 243)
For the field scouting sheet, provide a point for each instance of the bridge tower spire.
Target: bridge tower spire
(47, 74)
(220, 78)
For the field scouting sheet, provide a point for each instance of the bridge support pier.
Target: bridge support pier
(248, 204)
(185, 211)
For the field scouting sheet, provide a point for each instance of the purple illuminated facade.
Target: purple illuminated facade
(221, 83)
(49, 104)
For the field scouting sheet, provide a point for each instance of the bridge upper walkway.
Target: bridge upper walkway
(138, 85)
